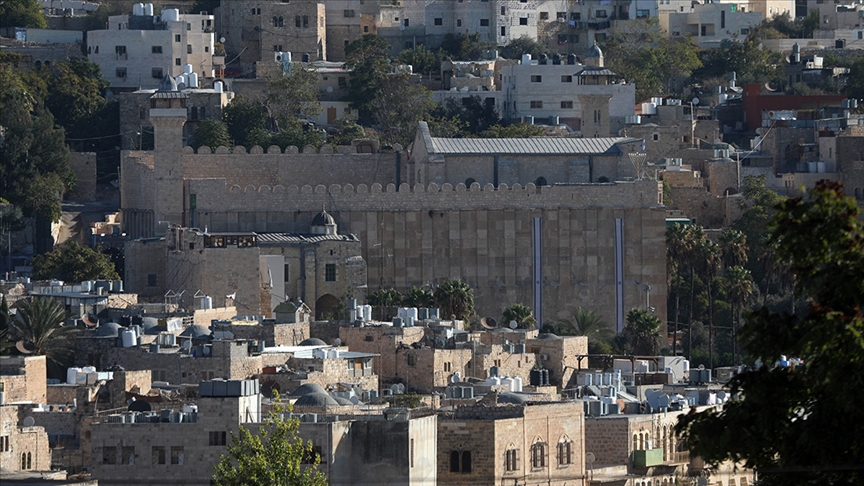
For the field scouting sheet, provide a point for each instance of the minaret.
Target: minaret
(168, 115)
(594, 57)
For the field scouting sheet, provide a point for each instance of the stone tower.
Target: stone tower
(594, 57)
(595, 114)
(168, 115)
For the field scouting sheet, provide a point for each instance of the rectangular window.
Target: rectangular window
(109, 455)
(178, 61)
(120, 72)
(601, 14)
(218, 438)
(206, 48)
(439, 21)
(643, 14)
(406, 23)
(188, 48)
(536, 78)
(566, 105)
(447, 366)
(157, 74)
(411, 452)
(537, 104)
(458, 24)
(188, 26)
(561, 16)
(575, 16)
(484, 22)
(305, 21)
(178, 458)
(504, 11)
(330, 272)
(156, 50)
(412, 360)
(177, 38)
(523, 20)
(503, 31)
(566, 78)
(128, 457)
(544, 15)
(157, 454)
(348, 13)
(297, 22)
(120, 49)
(343, 81)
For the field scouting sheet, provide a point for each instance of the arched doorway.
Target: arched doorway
(326, 307)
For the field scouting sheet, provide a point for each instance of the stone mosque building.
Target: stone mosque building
(250, 222)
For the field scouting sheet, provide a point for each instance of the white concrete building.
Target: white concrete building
(710, 24)
(137, 50)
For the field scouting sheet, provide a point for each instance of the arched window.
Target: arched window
(540, 181)
(275, 22)
(29, 464)
(469, 181)
(466, 461)
(565, 451)
(538, 455)
(281, 22)
(23, 461)
(454, 461)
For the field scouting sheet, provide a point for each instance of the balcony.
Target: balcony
(648, 457)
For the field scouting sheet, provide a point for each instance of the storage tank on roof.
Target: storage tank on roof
(148, 9)
(138, 9)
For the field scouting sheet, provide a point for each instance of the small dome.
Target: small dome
(167, 83)
(316, 400)
(323, 219)
(111, 329)
(594, 51)
(515, 398)
(150, 325)
(308, 388)
(548, 335)
(196, 331)
(343, 401)
(312, 342)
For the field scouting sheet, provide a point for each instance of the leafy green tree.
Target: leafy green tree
(44, 196)
(522, 314)
(516, 130)
(347, 130)
(708, 254)
(801, 425)
(421, 59)
(418, 297)
(746, 57)
(40, 322)
(368, 59)
(294, 132)
(399, 109)
(210, 133)
(469, 116)
(733, 248)
(21, 13)
(739, 288)
(384, 300)
(642, 333)
(247, 122)
(205, 6)
(524, 45)
(73, 262)
(856, 79)
(293, 95)
(276, 456)
(75, 96)
(678, 246)
(464, 47)
(455, 298)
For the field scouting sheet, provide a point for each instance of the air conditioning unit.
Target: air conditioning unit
(278, 56)
(544, 357)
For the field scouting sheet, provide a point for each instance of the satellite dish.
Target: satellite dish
(90, 320)
(456, 378)
(721, 396)
(701, 366)
(25, 347)
(695, 101)
(513, 325)
(222, 40)
(187, 344)
(337, 342)
(488, 323)
(329, 89)
(770, 86)
(29, 421)
(590, 458)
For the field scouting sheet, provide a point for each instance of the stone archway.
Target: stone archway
(326, 306)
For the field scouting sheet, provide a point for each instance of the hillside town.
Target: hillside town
(421, 242)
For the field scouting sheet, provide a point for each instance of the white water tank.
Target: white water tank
(72, 375)
(193, 80)
(332, 353)
(138, 9)
(508, 382)
(127, 337)
(526, 59)
(187, 68)
(517, 384)
(169, 14)
(148, 9)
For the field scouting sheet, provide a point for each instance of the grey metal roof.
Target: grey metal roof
(538, 146)
(169, 95)
(265, 239)
(596, 72)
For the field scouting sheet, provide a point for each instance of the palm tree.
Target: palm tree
(709, 254)
(384, 299)
(586, 322)
(418, 297)
(695, 235)
(455, 298)
(677, 248)
(521, 314)
(733, 248)
(739, 286)
(40, 322)
(642, 333)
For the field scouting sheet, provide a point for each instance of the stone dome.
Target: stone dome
(308, 388)
(150, 325)
(111, 329)
(316, 400)
(515, 398)
(342, 401)
(322, 219)
(548, 335)
(312, 342)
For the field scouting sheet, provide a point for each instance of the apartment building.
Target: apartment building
(136, 51)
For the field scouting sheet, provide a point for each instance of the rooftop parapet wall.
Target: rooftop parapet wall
(215, 195)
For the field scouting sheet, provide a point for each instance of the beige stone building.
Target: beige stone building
(23, 378)
(136, 51)
(23, 445)
(512, 443)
